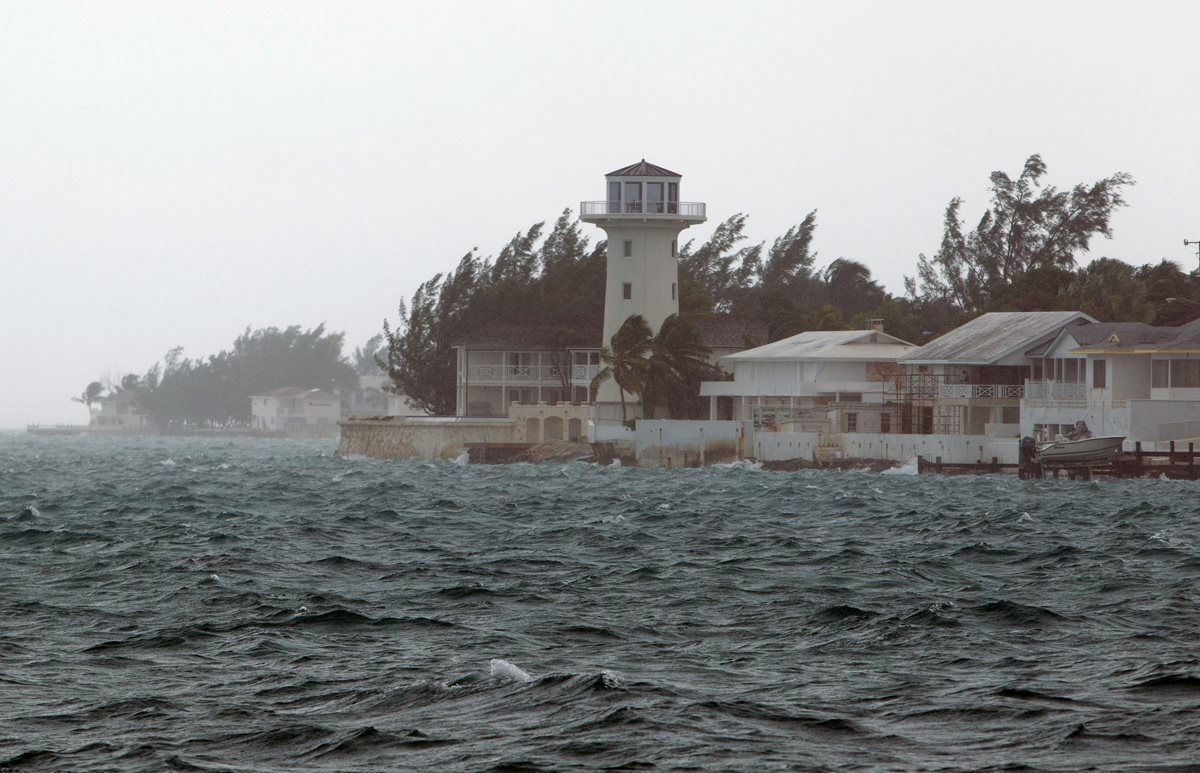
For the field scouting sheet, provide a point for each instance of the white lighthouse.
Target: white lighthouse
(642, 216)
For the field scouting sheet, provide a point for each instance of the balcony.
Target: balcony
(980, 391)
(508, 374)
(691, 211)
(1055, 390)
(583, 374)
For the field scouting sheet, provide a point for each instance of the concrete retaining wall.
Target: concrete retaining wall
(679, 444)
(424, 437)
(663, 443)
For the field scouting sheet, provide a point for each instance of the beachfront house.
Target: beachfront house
(120, 412)
(296, 412)
(971, 380)
(526, 361)
(817, 381)
(1123, 378)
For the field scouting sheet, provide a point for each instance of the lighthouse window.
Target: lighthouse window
(674, 291)
(614, 197)
(627, 291)
(674, 249)
(673, 198)
(629, 248)
(654, 198)
(633, 197)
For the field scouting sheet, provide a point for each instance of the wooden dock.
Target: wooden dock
(1175, 463)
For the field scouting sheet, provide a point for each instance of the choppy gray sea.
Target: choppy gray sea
(240, 605)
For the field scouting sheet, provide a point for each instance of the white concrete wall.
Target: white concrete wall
(785, 446)
(665, 443)
(532, 421)
(1129, 378)
(1161, 420)
(425, 437)
(1101, 418)
(953, 449)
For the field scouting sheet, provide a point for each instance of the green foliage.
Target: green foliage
(91, 394)
(365, 358)
(216, 391)
(626, 359)
(1027, 227)
(558, 278)
(1110, 291)
(723, 271)
(677, 364)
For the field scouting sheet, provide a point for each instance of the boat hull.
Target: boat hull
(1087, 450)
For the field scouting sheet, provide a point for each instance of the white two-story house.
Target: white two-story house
(816, 381)
(1123, 378)
(970, 381)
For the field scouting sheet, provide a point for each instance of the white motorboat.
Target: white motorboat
(1088, 450)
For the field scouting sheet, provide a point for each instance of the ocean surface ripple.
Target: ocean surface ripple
(221, 605)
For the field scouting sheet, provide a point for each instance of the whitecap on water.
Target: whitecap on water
(502, 669)
(615, 463)
(908, 468)
(463, 459)
(168, 462)
(740, 464)
(1025, 518)
(612, 679)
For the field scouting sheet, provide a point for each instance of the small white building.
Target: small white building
(120, 412)
(817, 381)
(296, 412)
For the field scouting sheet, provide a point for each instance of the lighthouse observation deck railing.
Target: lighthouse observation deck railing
(670, 208)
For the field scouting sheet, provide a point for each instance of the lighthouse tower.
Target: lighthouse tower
(642, 216)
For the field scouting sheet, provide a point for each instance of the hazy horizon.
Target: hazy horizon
(171, 174)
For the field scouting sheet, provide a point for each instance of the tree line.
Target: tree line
(215, 391)
(1021, 255)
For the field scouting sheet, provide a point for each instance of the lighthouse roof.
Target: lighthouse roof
(642, 169)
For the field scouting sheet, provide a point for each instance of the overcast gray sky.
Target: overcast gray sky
(173, 172)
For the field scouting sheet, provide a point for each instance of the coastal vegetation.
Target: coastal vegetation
(215, 391)
(1022, 255)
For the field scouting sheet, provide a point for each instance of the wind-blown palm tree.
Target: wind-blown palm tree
(626, 359)
(678, 363)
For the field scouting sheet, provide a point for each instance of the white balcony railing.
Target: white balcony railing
(583, 374)
(509, 373)
(981, 391)
(686, 209)
(1055, 390)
